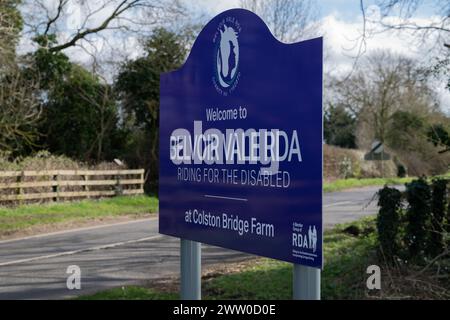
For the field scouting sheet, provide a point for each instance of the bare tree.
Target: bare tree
(382, 84)
(405, 9)
(62, 24)
(398, 15)
(289, 20)
(437, 28)
(102, 101)
(8, 33)
(19, 109)
(19, 112)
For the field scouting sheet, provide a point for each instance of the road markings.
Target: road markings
(42, 235)
(337, 204)
(68, 253)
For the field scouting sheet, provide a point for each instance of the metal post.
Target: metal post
(306, 283)
(191, 256)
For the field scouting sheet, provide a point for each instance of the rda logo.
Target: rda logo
(304, 239)
(226, 56)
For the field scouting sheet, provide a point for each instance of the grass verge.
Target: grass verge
(15, 219)
(343, 277)
(348, 250)
(19, 218)
(342, 184)
(131, 293)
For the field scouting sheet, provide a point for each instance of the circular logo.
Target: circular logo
(226, 56)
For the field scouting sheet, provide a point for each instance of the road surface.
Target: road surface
(125, 253)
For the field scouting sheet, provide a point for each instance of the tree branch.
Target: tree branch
(121, 8)
(61, 5)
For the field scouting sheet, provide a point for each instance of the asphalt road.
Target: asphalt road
(125, 253)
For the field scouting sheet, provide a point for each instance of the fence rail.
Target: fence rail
(69, 184)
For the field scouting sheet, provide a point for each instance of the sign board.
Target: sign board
(377, 152)
(377, 147)
(241, 142)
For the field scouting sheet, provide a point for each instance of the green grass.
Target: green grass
(130, 293)
(346, 259)
(22, 217)
(445, 176)
(26, 216)
(342, 184)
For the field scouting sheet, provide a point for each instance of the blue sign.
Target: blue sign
(241, 142)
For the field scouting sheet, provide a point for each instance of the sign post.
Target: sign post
(306, 283)
(241, 135)
(377, 153)
(190, 255)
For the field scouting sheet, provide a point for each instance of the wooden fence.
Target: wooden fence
(55, 185)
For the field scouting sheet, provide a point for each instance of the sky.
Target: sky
(346, 9)
(341, 26)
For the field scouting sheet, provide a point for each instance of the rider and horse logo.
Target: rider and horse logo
(226, 57)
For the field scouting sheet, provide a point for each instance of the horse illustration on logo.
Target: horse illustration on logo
(227, 56)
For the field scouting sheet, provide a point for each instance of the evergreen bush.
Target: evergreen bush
(388, 220)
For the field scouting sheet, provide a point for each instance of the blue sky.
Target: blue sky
(342, 23)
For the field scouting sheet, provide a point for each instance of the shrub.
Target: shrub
(418, 215)
(345, 167)
(447, 220)
(438, 203)
(388, 220)
(401, 171)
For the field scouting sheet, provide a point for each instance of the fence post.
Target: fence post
(118, 186)
(55, 188)
(19, 180)
(52, 186)
(86, 187)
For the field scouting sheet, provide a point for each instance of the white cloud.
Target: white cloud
(342, 43)
(340, 36)
(216, 7)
